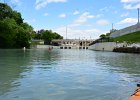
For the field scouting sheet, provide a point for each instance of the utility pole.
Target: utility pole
(66, 32)
(112, 26)
(138, 15)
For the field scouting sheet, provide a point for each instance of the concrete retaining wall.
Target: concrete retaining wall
(61, 47)
(126, 30)
(105, 46)
(109, 46)
(46, 46)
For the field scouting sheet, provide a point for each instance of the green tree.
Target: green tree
(48, 36)
(102, 36)
(8, 30)
(14, 33)
(22, 38)
(5, 11)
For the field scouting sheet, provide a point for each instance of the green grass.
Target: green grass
(131, 37)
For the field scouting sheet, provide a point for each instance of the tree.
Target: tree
(102, 36)
(14, 33)
(8, 30)
(48, 36)
(5, 11)
(22, 38)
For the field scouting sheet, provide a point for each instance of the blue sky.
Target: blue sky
(83, 18)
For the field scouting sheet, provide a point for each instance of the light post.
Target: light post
(66, 32)
(138, 15)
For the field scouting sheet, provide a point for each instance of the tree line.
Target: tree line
(47, 36)
(15, 33)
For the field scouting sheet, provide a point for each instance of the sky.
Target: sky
(83, 19)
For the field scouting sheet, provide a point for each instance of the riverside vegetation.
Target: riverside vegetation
(15, 33)
(129, 38)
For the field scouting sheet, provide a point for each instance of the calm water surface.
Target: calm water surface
(67, 75)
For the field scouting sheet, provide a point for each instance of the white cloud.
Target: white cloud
(62, 15)
(105, 9)
(15, 2)
(103, 22)
(43, 3)
(46, 14)
(131, 4)
(82, 19)
(99, 15)
(115, 12)
(74, 33)
(125, 14)
(128, 21)
(30, 20)
(130, 1)
(76, 12)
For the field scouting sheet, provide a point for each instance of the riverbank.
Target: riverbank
(60, 47)
(127, 49)
(114, 46)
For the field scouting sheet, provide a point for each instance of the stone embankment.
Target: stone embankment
(116, 47)
(127, 49)
(127, 30)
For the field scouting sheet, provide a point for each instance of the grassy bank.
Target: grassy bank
(132, 37)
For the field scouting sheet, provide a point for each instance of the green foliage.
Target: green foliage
(5, 11)
(47, 36)
(14, 33)
(22, 38)
(102, 36)
(7, 27)
(132, 37)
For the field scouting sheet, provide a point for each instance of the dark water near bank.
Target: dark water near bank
(67, 75)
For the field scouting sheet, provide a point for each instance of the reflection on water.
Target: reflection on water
(121, 62)
(67, 75)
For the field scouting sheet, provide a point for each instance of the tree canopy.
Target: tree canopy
(47, 36)
(14, 32)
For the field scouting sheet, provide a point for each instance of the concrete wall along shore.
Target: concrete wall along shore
(46, 47)
(126, 30)
(60, 47)
(105, 46)
(109, 46)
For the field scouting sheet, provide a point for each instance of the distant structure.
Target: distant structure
(127, 30)
(138, 15)
(72, 43)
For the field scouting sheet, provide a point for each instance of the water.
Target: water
(67, 75)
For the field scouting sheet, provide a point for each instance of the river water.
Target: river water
(67, 75)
